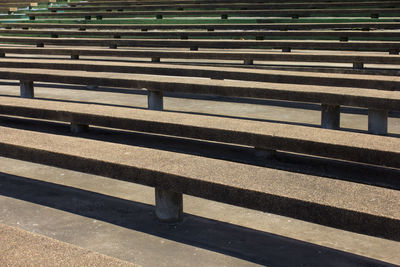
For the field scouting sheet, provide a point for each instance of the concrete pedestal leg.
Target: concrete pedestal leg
(266, 153)
(26, 89)
(378, 121)
(169, 206)
(248, 62)
(155, 100)
(330, 116)
(79, 128)
(155, 59)
(358, 65)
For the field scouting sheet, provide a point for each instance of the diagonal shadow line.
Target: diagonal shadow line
(221, 237)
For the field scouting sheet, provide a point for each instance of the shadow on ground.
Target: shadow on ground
(221, 237)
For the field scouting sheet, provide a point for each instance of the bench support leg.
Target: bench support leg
(248, 62)
(378, 121)
(358, 65)
(155, 60)
(79, 128)
(169, 206)
(261, 152)
(155, 100)
(26, 89)
(330, 116)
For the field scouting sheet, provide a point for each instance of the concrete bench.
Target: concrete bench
(15, 5)
(8, 9)
(211, 27)
(224, 14)
(258, 35)
(243, 6)
(248, 58)
(135, 2)
(388, 83)
(378, 102)
(356, 147)
(285, 45)
(346, 205)
(174, 2)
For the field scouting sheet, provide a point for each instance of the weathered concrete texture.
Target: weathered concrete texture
(244, 44)
(311, 77)
(26, 88)
(252, 5)
(266, 55)
(169, 206)
(341, 145)
(23, 248)
(117, 221)
(155, 100)
(79, 128)
(286, 193)
(378, 121)
(185, 35)
(355, 97)
(295, 13)
(330, 116)
(220, 26)
(129, 243)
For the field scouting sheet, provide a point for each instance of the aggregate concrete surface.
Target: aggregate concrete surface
(22, 248)
(116, 218)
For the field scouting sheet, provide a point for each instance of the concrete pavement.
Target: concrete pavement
(22, 248)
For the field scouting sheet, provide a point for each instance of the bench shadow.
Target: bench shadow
(305, 164)
(259, 65)
(216, 98)
(240, 242)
